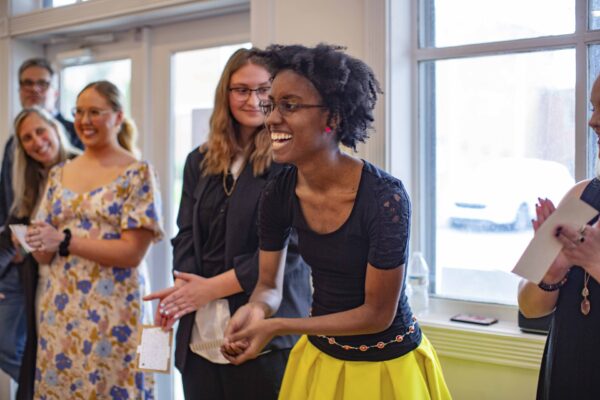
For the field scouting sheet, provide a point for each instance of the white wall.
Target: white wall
(12, 54)
(20, 50)
(310, 22)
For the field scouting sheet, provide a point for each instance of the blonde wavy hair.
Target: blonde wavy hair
(127, 135)
(223, 143)
(29, 175)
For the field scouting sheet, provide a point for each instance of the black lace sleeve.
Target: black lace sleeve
(389, 228)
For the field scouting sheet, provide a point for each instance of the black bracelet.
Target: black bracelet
(63, 247)
(552, 287)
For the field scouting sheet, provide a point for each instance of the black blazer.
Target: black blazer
(241, 250)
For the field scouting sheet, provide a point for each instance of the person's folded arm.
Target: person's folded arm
(126, 252)
(382, 291)
(376, 314)
(535, 302)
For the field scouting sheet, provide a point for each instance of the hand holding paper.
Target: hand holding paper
(20, 230)
(544, 247)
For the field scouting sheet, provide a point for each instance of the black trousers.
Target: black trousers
(258, 379)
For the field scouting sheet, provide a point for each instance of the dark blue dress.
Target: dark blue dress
(571, 363)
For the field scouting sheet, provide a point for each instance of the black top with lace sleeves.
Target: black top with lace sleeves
(376, 232)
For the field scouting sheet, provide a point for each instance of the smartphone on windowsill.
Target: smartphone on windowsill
(474, 319)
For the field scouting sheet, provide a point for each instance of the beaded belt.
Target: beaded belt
(378, 345)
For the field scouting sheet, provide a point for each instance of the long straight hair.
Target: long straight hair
(223, 143)
(29, 175)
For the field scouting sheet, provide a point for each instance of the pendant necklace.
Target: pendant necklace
(585, 303)
(226, 186)
(232, 175)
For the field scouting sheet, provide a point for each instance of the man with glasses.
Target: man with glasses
(36, 88)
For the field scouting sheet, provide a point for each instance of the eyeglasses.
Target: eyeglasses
(94, 113)
(243, 93)
(284, 107)
(29, 84)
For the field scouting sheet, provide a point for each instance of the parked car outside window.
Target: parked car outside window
(501, 194)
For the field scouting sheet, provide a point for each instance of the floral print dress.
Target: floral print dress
(90, 314)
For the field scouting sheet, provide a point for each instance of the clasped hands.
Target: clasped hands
(43, 237)
(247, 332)
(189, 293)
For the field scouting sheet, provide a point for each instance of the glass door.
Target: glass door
(76, 77)
(168, 78)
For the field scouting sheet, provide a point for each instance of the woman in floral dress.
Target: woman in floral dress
(96, 221)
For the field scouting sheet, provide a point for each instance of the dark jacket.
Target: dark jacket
(241, 249)
(28, 273)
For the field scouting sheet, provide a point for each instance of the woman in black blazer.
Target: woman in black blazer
(215, 253)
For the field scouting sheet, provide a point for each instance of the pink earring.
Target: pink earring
(327, 129)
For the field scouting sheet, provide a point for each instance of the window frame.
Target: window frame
(422, 143)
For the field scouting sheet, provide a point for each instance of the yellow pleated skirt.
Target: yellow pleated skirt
(313, 375)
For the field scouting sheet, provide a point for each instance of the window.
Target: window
(461, 22)
(498, 127)
(60, 3)
(594, 14)
(75, 78)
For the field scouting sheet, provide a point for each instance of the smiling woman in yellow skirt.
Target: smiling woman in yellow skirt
(353, 224)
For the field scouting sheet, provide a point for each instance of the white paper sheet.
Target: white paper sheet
(19, 230)
(544, 247)
(154, 349)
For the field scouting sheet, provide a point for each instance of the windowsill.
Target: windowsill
(502, 343)
(442, 309)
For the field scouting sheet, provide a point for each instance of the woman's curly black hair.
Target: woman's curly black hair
(346, 84)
